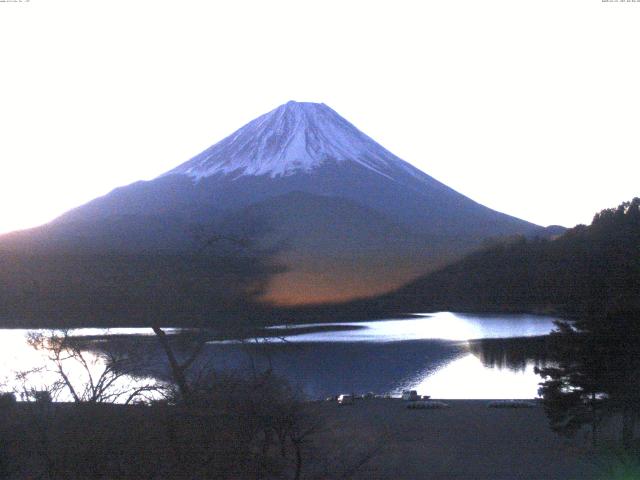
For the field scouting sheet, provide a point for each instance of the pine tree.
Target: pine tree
(598, 357)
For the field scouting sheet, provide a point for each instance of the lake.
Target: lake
(432, 353)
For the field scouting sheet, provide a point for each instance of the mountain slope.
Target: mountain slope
(352, 219)
(304, 147)
(337, 248)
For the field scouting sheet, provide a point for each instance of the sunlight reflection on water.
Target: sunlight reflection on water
(435, 326)
(466, 377)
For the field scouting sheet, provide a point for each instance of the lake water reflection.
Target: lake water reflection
(430, 353)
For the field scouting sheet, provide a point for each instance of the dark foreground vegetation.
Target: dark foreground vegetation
(236, 429)
(380, 439)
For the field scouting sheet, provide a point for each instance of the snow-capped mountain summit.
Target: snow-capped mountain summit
(295, 137)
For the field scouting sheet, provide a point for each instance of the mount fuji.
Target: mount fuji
(345, 217)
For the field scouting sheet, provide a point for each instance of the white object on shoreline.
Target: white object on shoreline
(345, 399)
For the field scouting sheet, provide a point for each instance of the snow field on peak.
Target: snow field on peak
(295, 137)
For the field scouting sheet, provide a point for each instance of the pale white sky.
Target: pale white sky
(529, 107)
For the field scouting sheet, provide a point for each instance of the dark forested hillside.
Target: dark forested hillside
(588, 269)
(70, 290)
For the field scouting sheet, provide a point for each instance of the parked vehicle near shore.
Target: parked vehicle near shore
(410, 395)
